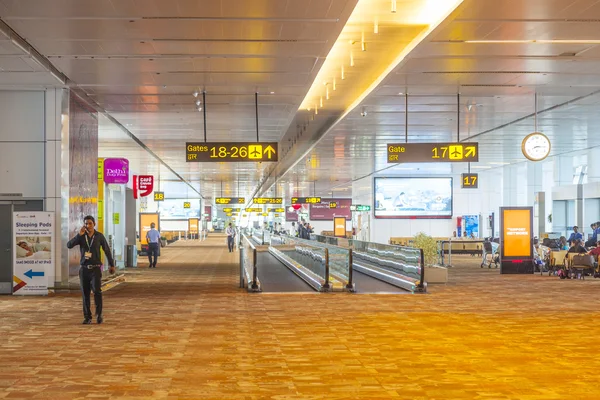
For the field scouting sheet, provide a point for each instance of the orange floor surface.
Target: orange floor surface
(186, 331)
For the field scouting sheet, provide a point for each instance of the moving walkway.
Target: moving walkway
(361, 267)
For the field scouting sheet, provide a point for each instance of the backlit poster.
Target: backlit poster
(193, 226)
(145, 220)
(516, 227)
(339, 227)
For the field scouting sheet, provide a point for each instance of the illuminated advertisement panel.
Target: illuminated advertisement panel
(516, 241)
(145, 220)
(339, 227)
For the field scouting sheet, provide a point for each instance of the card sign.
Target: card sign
(143, 185)
(359, 208)
(470, 181)
(267, 200)
(277, 210)
(253, 210)
(306, 200)
(186, 204)
(230, 200)
(432, 152)
(231, 152)
(333, 204)
(159, 196)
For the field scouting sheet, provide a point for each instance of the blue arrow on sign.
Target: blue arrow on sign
(30, 274)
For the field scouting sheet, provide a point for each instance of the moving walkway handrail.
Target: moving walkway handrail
(254, 274)
(399, 256)
(329, 247)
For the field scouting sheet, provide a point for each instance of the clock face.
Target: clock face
(536, 146)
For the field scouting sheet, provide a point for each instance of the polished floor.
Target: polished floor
(185, 331)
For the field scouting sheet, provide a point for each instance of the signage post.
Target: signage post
(516, 240)
(33, 262)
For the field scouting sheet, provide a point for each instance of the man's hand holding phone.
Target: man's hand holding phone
(82, 231)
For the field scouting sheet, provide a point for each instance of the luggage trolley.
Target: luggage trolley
(490, 249)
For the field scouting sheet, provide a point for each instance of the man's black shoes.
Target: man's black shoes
(100, 319)
(87, 321)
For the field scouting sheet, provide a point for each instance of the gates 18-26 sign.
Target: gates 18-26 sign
(432, 152)
(231, 152)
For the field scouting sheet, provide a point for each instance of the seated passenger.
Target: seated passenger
(575, 235)
(594, 239)
(577, 248)
(563, 243)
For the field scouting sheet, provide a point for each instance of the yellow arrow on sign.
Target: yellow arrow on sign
(470, 151)
(269, 151)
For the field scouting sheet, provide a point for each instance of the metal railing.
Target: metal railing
(248, 267)
(310, 263)
(405, 263)
(339, 259)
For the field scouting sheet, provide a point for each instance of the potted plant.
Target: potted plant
(163, 241)
(433, 272)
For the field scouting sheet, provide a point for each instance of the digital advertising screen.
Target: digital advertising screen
(413, 197)
(145, 220)
(176, 209)
(339, 227)
(516, 240)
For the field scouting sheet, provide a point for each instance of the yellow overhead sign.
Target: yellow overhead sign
(230, 200)
(306, 200)
(432, 152)
(267, 200)
(231, 152)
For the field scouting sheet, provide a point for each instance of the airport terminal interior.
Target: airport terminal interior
(302, 199)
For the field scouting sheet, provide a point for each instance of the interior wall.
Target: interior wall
(22, 143)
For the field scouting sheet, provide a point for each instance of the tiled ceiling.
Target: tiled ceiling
(140, 60)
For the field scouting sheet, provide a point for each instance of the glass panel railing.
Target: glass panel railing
(340, 259)
(248, 263)
(312, 258)
(406, 261)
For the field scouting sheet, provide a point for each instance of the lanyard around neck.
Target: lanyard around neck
(89, 244)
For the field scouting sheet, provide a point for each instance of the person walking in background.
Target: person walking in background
(230, 237)
(90, 241)
(153, 239)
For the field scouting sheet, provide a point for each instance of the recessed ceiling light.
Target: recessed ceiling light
(400, 93)
(272, 92)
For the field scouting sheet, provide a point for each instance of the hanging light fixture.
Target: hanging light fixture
(343, 74)
(351, 58)
(363, 44)
(393, 6)
(327, 92)
(376, 26)
(333, 83)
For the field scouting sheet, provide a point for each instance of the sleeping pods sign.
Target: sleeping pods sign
(33, 235)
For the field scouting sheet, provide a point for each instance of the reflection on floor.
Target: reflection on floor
(185, 331)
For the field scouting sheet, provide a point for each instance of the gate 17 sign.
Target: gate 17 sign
(432, 152)
(231, 152)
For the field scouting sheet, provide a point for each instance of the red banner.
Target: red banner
(143, 185)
